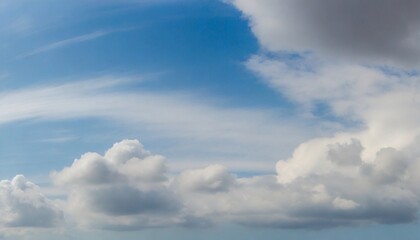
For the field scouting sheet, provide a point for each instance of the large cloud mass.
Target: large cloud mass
(375, 31)
(365, 173)
(332, 185)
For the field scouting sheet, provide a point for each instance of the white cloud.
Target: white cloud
(327, 195)
(71, 41)
(213, 178)
(382, 104)
(124, 189)
(345, 204)
(64, 43)
(22, 206)
(228, 135)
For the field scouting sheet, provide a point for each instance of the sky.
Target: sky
(211, 119)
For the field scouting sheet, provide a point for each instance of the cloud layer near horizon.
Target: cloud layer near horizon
(128, 188)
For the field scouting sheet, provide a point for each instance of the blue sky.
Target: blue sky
(214, 119)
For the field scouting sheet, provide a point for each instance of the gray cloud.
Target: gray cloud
(377, 31)
(126, 200)
(346, 154)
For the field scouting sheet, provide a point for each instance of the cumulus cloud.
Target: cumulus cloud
(327, 195)
(380, 103)
(346, 57)
(22, 205)
(124, 189)
(334, 186)
(364, 31)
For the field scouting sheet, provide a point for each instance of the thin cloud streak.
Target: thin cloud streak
(72, 41)
(211, 130)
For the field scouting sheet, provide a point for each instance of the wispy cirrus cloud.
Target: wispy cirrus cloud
(72, 41)
(224, 134)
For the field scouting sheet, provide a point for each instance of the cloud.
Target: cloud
(217, 133)
(309, 79)
(338, 197)
(22, 205)
(365, 175)
(212, 179)
(345, 154)
(380, 103)
(371, 32)
(341, 57)
(71, 41)
(64, 43)
(124, 189)
(329, 193)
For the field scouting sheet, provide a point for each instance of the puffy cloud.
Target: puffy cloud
(327, 183)
(337, 197)
(23, 205)
(124, 189)
(126, 161)
(125, 150)
(365, 31)
(375, 104)
(366, 172)
(362, 175)
(90, 169)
